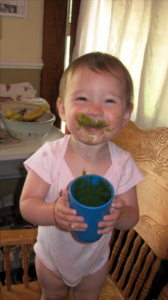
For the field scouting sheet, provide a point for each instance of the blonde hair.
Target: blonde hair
(100, 63)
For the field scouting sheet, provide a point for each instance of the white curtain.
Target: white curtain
(136, 31)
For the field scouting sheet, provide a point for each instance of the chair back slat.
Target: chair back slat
(116, 249)
(129, 261)
(141, 278)
(148, 283)
(136, 268)
(123, 254)
(25, 265)
(7, 267)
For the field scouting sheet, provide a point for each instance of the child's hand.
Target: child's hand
(65, 217)
(110, 221)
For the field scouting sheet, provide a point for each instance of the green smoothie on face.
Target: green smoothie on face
(84, 120)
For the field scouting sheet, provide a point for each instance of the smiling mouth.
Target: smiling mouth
(94, 126)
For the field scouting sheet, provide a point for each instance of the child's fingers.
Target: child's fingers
(73, 226)
(105, 230)
(63, 204)
(71, 223)
(79, 226)
(118, 203)
(66, 217)
(109, 221)
(63, 209)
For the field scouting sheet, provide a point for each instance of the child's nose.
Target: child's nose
(95, 110)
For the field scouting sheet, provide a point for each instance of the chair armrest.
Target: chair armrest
(18, 237)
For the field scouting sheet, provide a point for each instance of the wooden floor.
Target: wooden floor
(26, 294)
(30, 294)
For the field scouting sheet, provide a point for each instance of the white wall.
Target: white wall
(21, 38)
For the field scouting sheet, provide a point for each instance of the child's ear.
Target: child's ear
(128, 113)
(61, 109)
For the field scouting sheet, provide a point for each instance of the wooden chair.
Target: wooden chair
(136, 255)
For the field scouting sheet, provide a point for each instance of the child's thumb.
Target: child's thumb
(65, 195)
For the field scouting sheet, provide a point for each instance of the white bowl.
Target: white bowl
(30, 131)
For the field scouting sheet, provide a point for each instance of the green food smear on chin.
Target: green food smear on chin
(89, 194)
(83, 172)
(84, 120)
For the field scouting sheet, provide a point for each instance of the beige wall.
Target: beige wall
(21, 38)
(9, 76)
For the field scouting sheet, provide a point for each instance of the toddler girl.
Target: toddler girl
(95, 97)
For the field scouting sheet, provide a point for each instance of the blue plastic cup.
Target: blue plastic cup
(92, 207)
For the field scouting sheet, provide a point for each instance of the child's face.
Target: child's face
(94, 106)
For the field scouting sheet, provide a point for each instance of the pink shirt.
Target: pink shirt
(58, 249)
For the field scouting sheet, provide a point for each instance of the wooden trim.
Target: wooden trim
(54, 32)
(21, 63)
(75, 14)
(73, 29)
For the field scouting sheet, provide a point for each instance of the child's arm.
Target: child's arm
(125, 213)
(35, 210)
